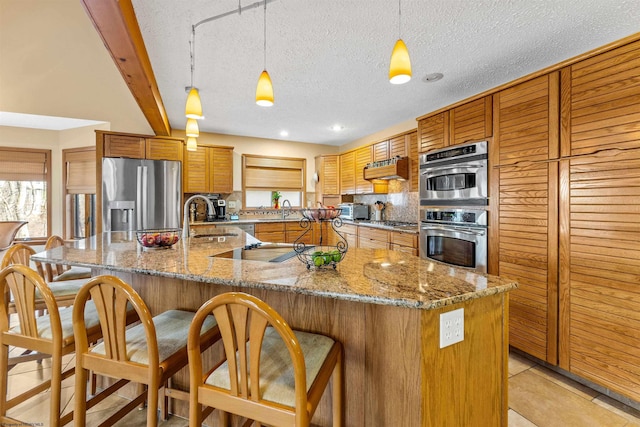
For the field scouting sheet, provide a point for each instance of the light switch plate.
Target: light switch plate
(232, 204)
(451, 327)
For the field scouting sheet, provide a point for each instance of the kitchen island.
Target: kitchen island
(384, 307)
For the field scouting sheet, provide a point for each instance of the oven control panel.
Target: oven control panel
(456, 216)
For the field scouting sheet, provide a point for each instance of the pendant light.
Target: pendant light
(264, 90)
(192, 144)
(400, 66)
(193, 108)
(192, 128)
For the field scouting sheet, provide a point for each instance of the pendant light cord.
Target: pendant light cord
(265, 36)
(399, 19)
(192, 51)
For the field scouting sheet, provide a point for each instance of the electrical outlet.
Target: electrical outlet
(451, 327)
(232, 204)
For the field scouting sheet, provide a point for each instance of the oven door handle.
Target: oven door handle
(470, 167)
(464, 230)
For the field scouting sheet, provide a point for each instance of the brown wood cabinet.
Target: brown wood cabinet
(352, 179)
(139, 147)
(403, 242)
(328, 185)
(525, 209)
(468, 122)
(599, 220)
(348, 173)
(433, 132)
(414, 161)
(373, 238)
(270, 232)
(209, 169)
(380, 151)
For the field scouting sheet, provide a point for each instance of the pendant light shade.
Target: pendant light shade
(193, 109)
(192, 144)
(400, 66)
(264, 90)
(192, 128)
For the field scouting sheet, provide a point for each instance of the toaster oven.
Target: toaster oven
(354, 211)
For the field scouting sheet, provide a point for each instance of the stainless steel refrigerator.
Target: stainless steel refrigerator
(140, 194)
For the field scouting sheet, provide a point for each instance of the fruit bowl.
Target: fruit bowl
(321, 214)
(321, 256)
(158, 238)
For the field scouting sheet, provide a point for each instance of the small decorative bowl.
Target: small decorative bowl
(321, 214)
(158, 238)
(321, 256)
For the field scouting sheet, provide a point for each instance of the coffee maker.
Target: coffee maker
(220, 205)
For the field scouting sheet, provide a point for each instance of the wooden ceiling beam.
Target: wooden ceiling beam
(117, 25)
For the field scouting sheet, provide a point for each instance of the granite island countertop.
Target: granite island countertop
(364, 275)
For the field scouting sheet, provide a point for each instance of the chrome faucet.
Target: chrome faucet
(186, 232)
(286, 213)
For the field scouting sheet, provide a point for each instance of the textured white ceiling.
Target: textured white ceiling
(328, 59)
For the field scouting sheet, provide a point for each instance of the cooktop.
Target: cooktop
(265, 252)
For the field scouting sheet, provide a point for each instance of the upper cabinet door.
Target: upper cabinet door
(347, 173)
(433, 132)
(600, 98)
(221, 163)
(381, 151)
(132, 147)
(471, 121)
(164, 149)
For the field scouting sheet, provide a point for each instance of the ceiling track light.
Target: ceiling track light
(400, 65)
(264, 89)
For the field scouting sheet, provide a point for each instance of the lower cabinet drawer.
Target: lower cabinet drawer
(407, 249)
(372, 244)
(273, 237)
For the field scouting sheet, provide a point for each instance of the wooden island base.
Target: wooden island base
(395, 372)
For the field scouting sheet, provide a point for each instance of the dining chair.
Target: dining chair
(149, 353)
(271, 374)
(59, 272)
(50, 334)
(8, 231)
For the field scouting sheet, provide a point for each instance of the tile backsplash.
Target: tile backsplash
(400, 203)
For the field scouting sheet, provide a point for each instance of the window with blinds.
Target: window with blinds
(80, 192)
(25, 180)
(262, 175)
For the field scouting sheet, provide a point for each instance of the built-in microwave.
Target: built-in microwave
(354, 211)
(455, 176)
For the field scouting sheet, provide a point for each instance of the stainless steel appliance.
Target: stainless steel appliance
(354, 211)
(455, 176)
(140, 194)
(455, 236)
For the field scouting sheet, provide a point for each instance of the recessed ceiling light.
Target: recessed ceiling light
(284, 133)
(336, 128)
(433, 77)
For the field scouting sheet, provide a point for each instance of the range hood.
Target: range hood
(398, 169)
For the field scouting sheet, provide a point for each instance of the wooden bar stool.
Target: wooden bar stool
(51, 334)
(148, 353)
(64, 291)
(271, 374)
(60, 272)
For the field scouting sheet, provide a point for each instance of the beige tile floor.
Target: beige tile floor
(537, 397)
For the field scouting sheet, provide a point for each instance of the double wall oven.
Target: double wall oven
(453, 190)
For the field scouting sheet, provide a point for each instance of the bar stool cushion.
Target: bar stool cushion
(65, 288)
(172, 329)
(74, 273)
(44, 323)
(276, 369)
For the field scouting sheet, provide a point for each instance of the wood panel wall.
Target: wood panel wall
(526, 137)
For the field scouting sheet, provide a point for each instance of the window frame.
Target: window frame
(271, 165)
(68, 220)
(5, 151)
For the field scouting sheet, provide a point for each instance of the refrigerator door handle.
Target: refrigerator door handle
(145, 195)
(139, 198)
